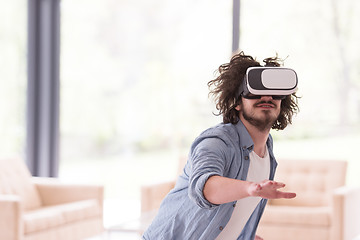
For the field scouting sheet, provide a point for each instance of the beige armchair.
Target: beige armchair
(323, 210)
(44, 208)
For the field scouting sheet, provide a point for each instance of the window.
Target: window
(12, 77)
(134, 87)
(320, 40)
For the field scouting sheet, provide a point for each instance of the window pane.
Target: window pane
(134, 87)
(320, 39)
(12, 77)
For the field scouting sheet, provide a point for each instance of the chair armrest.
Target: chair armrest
(52, 191)
(10, 217)
(153, 194)
(346, 205)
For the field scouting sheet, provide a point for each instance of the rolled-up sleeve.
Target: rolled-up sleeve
(208, 158)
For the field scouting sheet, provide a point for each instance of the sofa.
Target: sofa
(324, 208)
(34, 208)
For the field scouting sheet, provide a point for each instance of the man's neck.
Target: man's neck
(259, 137)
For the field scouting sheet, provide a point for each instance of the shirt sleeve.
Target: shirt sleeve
(208, 158)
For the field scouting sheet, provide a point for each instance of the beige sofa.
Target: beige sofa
(44, 208)
(323, 210)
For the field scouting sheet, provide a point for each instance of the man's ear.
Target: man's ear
(238, 108)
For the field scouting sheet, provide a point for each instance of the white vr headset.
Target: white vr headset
(269, 81)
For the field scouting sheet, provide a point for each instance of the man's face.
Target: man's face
(261, 113)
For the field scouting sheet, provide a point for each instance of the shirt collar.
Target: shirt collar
(246, 140)
(244, 136)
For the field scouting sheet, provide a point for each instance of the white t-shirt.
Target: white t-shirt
(259, 170)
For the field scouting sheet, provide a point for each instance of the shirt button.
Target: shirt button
(221, 228)
(246, 158)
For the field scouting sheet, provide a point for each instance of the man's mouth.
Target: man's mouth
(265, 105)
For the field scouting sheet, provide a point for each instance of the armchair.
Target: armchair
(34, 208)
(324, 209)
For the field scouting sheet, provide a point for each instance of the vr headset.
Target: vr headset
(277, 82)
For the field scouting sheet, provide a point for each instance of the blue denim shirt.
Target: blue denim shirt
(185, 214)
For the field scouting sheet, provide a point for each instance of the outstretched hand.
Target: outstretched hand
(269, 189)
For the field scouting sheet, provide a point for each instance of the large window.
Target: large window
(12, 77)
(134, 87)
(134, 74)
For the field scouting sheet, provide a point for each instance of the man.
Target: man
(228, 178)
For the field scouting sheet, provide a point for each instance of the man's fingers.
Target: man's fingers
(286, 194)
(273, 184)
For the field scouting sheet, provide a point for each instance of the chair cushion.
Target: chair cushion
(15, 179)
(320, 216)
(53, 216)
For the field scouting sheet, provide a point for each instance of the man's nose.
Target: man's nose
(266, 98)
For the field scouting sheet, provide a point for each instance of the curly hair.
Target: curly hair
(225, 88)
